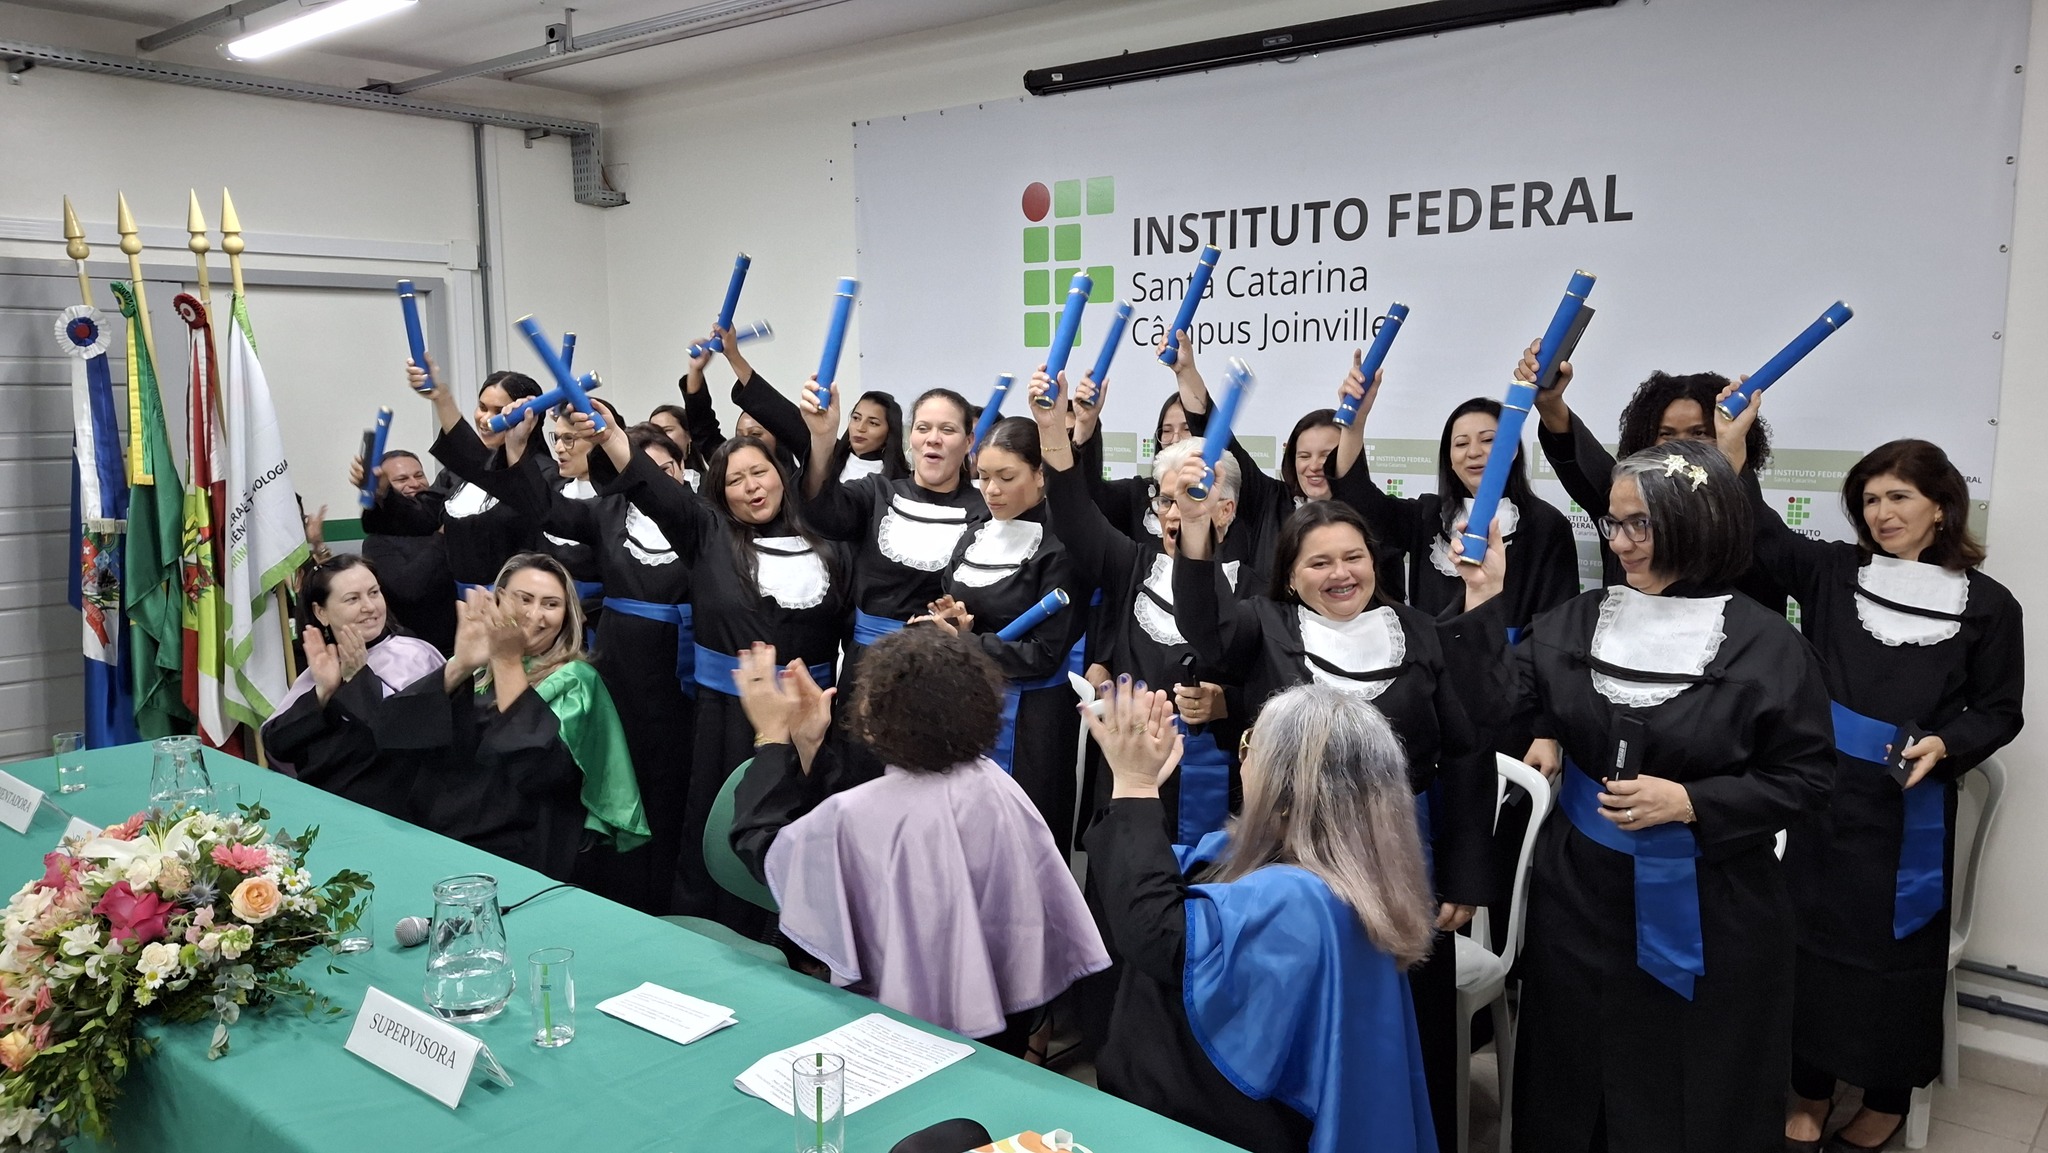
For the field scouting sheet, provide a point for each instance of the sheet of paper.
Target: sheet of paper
(666, 1013)
(882, 1056)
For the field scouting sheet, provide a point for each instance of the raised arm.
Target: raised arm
(1224, 631)
(1101, 553)
(1407, 523)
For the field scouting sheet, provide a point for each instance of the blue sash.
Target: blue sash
(1005, 751)
(1515, 635)
(585, 590)
(1291, 1002)
(1669, 943)
(719, 671)
(1923, 841)
(462, 589)
(686, 635)
(1204, 785)
(868, 629)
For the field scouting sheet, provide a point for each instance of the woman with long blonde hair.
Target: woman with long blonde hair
(533, 763)
(1264, 998)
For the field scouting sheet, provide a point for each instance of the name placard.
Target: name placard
(82, 830)
(419, 1049)
(18, 802)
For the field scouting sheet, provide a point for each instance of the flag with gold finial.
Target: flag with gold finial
(156, 519)
(266, 539)
(205, 500)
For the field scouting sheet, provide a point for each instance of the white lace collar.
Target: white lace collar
(998, 548)
(468, 500)
(1506, 514)
(1367, 643)
(1654, 634)
(918, 535)
(1923, 586)
(786, 568)
(857, 467)
(645, 542)
(1156, 616)
(579, 489)
(1151, 519)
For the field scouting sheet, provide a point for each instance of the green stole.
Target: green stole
(591, 730)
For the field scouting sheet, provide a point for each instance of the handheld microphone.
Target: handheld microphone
(412, 931)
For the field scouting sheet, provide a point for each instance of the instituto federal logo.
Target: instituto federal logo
(1052, 252)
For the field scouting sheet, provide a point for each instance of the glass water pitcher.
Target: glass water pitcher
(469, 978)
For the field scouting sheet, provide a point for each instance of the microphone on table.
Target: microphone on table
(412, 931)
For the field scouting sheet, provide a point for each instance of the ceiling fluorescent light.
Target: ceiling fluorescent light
(322, 21)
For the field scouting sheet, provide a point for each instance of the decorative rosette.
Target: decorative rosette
(81, 332)
(190, 310)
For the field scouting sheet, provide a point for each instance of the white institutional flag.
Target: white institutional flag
(266, 539)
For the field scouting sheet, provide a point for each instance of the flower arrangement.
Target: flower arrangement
(176, 916)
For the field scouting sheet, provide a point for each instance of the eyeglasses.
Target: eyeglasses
(1636, 528)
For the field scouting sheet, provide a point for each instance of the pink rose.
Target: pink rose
(57, 872)
(255, 900)
(241, 858)
(141, 916)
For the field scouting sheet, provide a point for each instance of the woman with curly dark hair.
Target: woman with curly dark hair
(935, 889)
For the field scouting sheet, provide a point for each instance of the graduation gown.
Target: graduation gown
(418, 586)
(336, 745)
(467, 504)
(785, 422)
(1869, 1000)
(579, 555)
(1542, 560)
(1601, 1042)
(798, 603)
(1194, 952)
(534, 784)
(1392, 655)
(637, 656)
(1586, 470)
(999, 571)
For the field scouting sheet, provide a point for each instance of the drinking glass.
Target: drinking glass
(363, 936)
(818, 1081)
(69, 749)
(552, 985)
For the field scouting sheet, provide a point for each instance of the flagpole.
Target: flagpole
(76, 248)
(231, 243)
(131, 244)
(195, 223)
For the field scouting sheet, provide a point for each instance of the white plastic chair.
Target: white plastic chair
(1483, 974)
(1986, 786)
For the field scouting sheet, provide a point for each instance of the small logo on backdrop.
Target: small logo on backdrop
(1394, 485)
(1052, 250)
(1798, 510)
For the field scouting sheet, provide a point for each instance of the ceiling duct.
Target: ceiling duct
(585, 157)
(578, 47)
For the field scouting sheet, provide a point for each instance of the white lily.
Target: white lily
(176, 839)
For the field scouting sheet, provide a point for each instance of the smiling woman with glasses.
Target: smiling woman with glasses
(1694, 723)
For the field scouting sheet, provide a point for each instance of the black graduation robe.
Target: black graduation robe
(636, 656)
(785, 422)
(1152, 1058)
(336, 746)
(1586, 470)
(999, 570)
(798, 603)
(418, 586)
(1262, 642)
(578, 555)
(466, 503)
(1869, 1004)
(1601, 1043)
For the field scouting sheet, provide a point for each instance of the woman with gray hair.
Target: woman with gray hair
(1263, 998)
(1657, 980)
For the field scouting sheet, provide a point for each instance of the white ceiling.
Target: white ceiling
(441, 34)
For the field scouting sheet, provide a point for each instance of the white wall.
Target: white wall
(762, 162)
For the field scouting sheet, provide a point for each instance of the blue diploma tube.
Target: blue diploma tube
(567, 388)
(1237, 384)
(1507, 440)
(1064, 337)
(835, 338)
(1836, 316)
(552, 398)
(568, 349)
(758, 330)
(732, 289)
(1575, 294)
(1375, 355)
(1034, 616)
(1197, 285)
(378, 438)
(415, 336)
(1115, 337)
(990, 413)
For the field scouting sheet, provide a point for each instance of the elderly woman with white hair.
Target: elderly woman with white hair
(1263, 998)
(1657, 980)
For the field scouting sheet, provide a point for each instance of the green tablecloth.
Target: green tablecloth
(288, 1084)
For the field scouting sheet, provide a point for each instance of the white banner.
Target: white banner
(1728, 168)
(266, 539)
